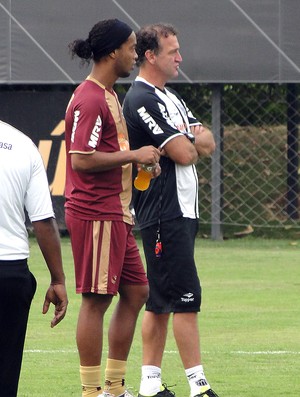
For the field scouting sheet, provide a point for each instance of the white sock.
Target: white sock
(151, 380)
(197, 380)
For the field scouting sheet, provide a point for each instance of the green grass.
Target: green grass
(249, 325)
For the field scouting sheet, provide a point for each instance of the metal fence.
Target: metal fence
(251, 181)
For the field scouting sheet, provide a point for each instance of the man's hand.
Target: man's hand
(57, 295)
(147, 155)
(156, 171)
(204, 140)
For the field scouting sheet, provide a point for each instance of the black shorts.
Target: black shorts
(173, 279)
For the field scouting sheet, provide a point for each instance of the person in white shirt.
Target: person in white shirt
(24, 186)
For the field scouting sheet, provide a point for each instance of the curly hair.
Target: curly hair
(148, 39)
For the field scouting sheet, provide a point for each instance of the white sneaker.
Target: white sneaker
(106, 394)
(127, 394)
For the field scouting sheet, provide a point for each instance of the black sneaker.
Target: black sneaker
(207, 393)
(164, 393)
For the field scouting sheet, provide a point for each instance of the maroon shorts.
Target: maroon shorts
(105, 256)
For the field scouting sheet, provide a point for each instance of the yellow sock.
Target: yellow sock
(115, 377)
(90, 380)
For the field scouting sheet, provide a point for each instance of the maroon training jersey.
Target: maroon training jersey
(94, 122)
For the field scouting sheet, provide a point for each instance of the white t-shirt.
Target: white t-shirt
(23, 183)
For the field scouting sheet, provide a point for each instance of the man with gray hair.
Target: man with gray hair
(167, 213)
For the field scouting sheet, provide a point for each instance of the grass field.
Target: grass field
(250, 325)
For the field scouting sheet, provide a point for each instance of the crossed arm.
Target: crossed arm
(183, 152)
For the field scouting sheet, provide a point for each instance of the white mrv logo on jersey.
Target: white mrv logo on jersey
(95, 133)
(75, 122)
(147, 119)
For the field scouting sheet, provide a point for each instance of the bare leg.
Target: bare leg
(89, 335)
(186, 333)
(123, 321)
(154, 333)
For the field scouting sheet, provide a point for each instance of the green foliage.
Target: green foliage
(254, 180)
(253, 104)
